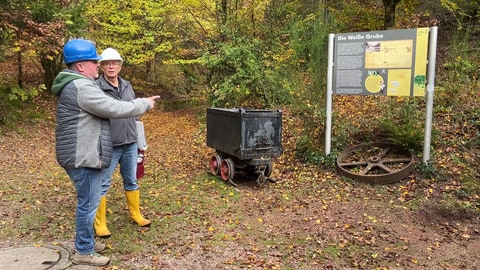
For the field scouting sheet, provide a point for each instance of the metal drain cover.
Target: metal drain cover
(34, 257)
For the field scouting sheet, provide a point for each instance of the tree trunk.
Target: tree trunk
(390, 6)
(148, 71)
(223, 12)
(20, 69)
(51, 68)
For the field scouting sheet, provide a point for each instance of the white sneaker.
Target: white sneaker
(93, 259)
(99, 247)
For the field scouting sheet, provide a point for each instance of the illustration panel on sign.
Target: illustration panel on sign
(374, 83)
(389, 54)
(399, 82)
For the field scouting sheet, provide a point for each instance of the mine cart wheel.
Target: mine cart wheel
(264, 171)
(268, 169)
(261, 179)
(375, 163)
(227, 169)
(215, 162)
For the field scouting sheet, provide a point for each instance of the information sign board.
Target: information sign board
(391, 62)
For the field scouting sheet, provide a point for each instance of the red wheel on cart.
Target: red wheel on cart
(215, 162)
(227, 169)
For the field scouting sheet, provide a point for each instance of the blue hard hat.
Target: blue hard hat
(79, 50)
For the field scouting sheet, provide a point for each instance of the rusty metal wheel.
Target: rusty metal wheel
(227, 169)
(215, 162)
(375, 163)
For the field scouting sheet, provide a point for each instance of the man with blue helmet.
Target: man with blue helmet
(83, 138)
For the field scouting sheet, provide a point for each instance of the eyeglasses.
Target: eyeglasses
(110, 64)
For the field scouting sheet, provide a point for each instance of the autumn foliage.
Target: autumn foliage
(257, 54)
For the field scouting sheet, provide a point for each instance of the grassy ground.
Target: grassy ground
(311, 218)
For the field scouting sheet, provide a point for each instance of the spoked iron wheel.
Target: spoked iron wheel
(215, 162)
(375, 163)
(227, 169)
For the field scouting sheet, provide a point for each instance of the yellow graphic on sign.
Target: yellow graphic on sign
(399, 82)
(389, 54)
(374, 83)
(421, 62)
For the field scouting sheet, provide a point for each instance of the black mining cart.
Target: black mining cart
(245, 140)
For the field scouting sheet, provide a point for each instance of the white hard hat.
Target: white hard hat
(110, 54)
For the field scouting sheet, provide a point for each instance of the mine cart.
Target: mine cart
(245, 140)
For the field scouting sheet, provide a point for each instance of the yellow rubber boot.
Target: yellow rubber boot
(133, 202)
(100, 222)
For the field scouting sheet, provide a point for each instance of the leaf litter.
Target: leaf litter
(310, 218)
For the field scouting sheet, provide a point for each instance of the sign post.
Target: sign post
(328, 124)
(430, 89)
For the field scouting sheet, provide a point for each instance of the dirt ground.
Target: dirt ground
(326, 222)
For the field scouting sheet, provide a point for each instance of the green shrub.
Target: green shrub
(246, 72)
(15, 105)
(17, 93)
(405, 126)
(427, 170)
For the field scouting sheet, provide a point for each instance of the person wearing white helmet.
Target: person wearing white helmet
(83, 144)
(124, 139)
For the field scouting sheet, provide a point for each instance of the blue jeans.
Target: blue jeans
(87, 183)
(126, 156)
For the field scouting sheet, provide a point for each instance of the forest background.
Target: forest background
(259, 54)
(263, 54)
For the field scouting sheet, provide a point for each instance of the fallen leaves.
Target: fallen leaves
(309, 218)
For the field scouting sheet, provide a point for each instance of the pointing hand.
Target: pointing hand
(151, 100)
